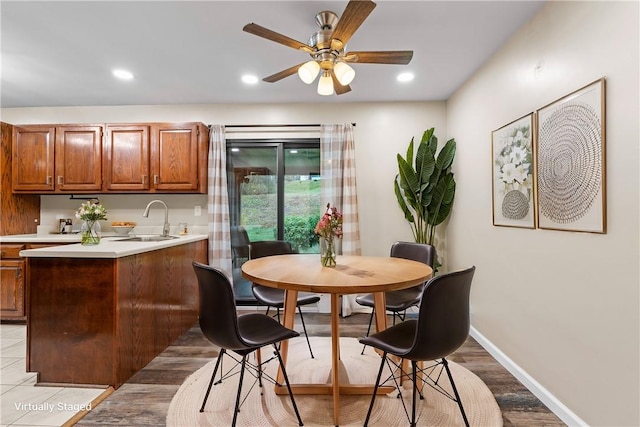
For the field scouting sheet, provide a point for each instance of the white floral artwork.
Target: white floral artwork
(513, 181)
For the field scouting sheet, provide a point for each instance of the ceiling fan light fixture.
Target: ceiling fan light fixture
(325, 84)
(344, 73)
(308, 71)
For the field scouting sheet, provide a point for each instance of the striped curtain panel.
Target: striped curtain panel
(338, 172)
(218, 202)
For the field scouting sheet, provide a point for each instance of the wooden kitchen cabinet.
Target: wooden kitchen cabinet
(126, 158)
(156, 158)
(179, 157)
(57, 159)
(32, 158)
(78, 160)
(12, 277)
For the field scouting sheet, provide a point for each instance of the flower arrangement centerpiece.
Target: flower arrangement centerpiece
(91, 213)
(329, 228)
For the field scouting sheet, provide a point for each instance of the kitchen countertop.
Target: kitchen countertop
(109, 247)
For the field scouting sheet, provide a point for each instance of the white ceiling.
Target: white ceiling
(61, 53)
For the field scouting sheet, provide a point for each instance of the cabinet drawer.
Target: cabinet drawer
(11, 251)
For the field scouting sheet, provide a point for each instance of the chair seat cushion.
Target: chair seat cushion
(258, 330)
(275, 297)
(396, 340)
(395, 300)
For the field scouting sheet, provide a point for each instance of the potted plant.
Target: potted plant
(425, 186)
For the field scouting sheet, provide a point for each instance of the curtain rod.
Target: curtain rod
(275, 126)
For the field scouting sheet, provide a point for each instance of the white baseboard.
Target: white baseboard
(555, 405)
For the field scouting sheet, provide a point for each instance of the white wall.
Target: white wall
(563, 306)
(382, 130)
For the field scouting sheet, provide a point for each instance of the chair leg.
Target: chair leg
(414, 377)
(286, 380)
(368, 329)
(304, 328)
(206, 396)
(237, 408)
(375, 389)
(455, 391)
(259, 362)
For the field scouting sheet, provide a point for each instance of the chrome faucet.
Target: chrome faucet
(165, 226)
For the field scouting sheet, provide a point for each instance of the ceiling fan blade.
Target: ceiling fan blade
(402, 57)
(353, 16)
(268, 34)
(337, 87)
(282, 74)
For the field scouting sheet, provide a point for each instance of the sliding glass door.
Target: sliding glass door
(274, 190)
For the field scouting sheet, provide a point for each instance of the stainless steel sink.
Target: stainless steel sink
(151, 238)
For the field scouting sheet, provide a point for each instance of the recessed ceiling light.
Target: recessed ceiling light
(235, 150)
(123, 74)
(293, 151)
(405, 77)
(249, 79)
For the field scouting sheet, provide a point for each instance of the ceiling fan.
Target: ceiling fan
(327, 49)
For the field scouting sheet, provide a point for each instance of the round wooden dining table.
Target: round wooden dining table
(352, 275)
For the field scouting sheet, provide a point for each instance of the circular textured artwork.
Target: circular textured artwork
(569, 159)
(515, 205)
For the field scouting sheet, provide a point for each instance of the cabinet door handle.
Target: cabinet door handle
(144, 178)
(49, 178)
(60, 179)
(155, 179)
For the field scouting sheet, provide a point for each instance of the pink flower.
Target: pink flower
(330, 223)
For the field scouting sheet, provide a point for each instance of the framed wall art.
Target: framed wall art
(513, 180)
(571, 161)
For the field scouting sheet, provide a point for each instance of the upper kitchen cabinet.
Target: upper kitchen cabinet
(126, 158)
(57, 159)
(179, 157)
(78, 159)
(156, 158)
(133, 158)
(32, 158)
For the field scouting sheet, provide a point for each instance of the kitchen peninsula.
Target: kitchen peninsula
(96, 315)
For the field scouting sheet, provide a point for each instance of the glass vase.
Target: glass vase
(90, 233)
(327, 252)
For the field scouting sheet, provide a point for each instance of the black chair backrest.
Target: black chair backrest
(240, 241)
(218, 317)
(420, 252)
(270, 247)
(443, 317)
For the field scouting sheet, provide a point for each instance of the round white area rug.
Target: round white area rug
(269, 409)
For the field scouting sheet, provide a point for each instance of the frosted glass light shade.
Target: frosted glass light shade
(325, 84)
(308, 71)
(344, 73)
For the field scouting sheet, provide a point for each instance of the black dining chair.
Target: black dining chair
(441, 328)
(272, 297)
(242, 334)
(399, 301)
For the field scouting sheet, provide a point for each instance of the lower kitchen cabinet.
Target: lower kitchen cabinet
(13, 276)
(98, 321)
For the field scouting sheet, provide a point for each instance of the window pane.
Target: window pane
(274, 192)
(301, 197)
(253, 191)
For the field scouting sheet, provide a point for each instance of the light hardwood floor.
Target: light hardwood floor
(145, 398)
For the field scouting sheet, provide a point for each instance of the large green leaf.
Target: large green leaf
(442, 200)
(425, 165)
(407, 213)
(408, 178)
(446, 155)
